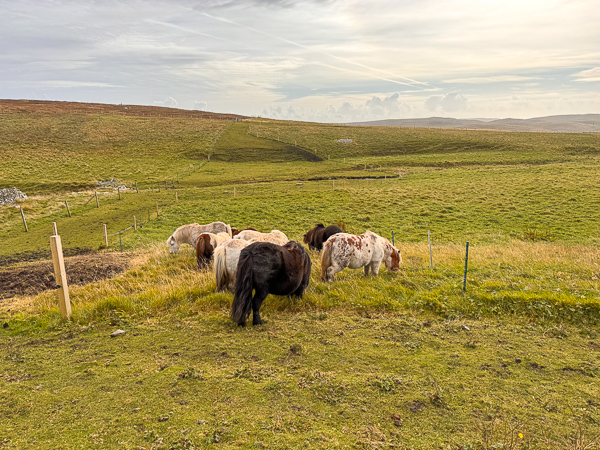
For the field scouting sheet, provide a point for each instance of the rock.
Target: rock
(11, 195)
(117, 333)
(466, 328)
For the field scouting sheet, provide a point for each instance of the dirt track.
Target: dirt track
(35, 277)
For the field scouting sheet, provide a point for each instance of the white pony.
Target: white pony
(366, 250)
(226, 257)
(275, 237)
(188, 234)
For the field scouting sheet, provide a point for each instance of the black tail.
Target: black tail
(242, 299)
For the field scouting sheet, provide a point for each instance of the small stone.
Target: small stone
(518, 360)
(466, 328)
(201, 422)
(163, 418)
(117, 333)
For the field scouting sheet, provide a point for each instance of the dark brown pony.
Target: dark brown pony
(319, 234)
(267, 268)
(235, 231)
(204, 250)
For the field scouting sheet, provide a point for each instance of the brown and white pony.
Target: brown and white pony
(274, 237)
(206, 245)
(226, 257)
(366, 250)
(188, 234)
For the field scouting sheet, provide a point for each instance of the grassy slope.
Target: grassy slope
(299, 381)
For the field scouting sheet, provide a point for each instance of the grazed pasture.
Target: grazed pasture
(403, 360)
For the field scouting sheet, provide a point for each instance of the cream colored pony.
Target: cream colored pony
(188, 234)
(275, 237)
(226, 257)
(366, 250)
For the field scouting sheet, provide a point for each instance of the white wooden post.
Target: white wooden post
(134, 224)
(54, 230)
(60, 274)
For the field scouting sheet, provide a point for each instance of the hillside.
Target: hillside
(580, 123)
(56, 107)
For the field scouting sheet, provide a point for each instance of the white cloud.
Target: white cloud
(169, 102)
(588, 75)
(451, 102)
(200, 105)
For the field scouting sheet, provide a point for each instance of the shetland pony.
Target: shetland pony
(366, 250)
(274, 237)
(319, 234)
(235, 231)
(188, 234)
(206, 245)
(268, 269)
(226, 257)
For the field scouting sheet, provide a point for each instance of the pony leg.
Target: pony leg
(259, 296)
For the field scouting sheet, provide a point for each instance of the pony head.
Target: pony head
(393, 260)
(173, 245)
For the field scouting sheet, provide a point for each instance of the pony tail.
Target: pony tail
(242, 299)
(200, 244)
(325, 260)
(220, 268)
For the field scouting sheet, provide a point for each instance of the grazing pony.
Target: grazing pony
(366, 250)
(235, 231)
(226, 258)
(319, 234)
(268, 269)
(206, 245)
(274, 237)
(188, 234)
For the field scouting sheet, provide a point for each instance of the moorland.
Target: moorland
(403, 360)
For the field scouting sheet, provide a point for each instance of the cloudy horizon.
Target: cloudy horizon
(317, 60)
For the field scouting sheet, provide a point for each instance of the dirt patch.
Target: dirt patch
(36, 277)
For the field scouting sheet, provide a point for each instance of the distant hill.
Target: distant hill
(576, 123)
(55, 107)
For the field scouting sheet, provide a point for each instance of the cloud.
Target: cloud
(490, 79)
(169, 102)
(452, 101)
(588, 75)
(374, 108)
(200, 105)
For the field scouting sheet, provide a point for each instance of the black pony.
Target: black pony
(268, 269)
(319, 234)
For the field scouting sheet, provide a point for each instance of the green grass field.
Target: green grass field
(404, 360)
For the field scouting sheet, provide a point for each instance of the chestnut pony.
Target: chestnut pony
(319, 234)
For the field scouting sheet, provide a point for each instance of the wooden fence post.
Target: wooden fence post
(176, 197)
(134, 224)
(23, 217)
(157, 208)
(119, 192)
(54, 230)
(430, 254)
(105, 235)
(97, 204)
(68, 209)
(60, 274)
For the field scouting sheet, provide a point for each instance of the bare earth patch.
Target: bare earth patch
(35, 277)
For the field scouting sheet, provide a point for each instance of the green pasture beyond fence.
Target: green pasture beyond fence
(160, 196)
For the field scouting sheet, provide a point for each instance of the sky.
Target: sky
(315, 60)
